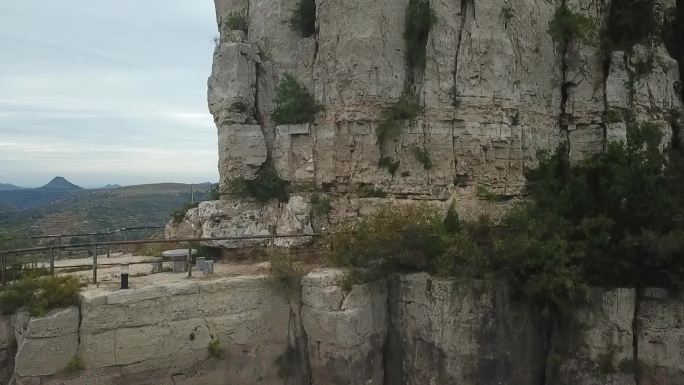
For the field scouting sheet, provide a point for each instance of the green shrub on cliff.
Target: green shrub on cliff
(266, 186)
(392, 120)
(294, 103)
(615, 219)
(303, 19)
(630, 22)
(38, 295)
(568, 27)
(419, 20)
(236, 21)
(178, 215)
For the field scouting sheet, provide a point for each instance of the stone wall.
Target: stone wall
(408, 330)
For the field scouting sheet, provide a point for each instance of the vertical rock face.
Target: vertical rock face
(346, 331)
(450, 332)
(45, 345)
(494, 90)
(660, 320)
(406, 330)
(594, 344)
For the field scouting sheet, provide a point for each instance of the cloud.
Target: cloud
(106, 90)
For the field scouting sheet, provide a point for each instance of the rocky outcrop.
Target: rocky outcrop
(660, 334)
(595, 344)
(253, 224)
(407, 329)
(495, 89)
(460, 332)
(45, 345)
(345, 329)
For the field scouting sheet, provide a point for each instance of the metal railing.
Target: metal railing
(95, 245)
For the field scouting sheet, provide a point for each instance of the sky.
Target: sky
(106, 92)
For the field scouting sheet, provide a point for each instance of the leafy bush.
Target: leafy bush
(178, 215)
(321, 205)
(236, 21)
(287, 272)
(423, 157)
(214, 193)
(266, 186)
(483, 192)
(368, 191)
(214, 348)
(629, 22)
(673, 37)
(615, 219)
(38, 295)
(406, 108)
(294, 103)
(408, 238)
(72, 368)
(570, 27)
(389, 164)
(452, 222)
(419, 20)
(303, 18)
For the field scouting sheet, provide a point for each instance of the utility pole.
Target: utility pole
(192, 194)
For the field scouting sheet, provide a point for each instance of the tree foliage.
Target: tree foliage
(615, 219)
(294, 103)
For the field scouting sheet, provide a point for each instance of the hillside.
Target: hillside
(9, 187)
(61, 212)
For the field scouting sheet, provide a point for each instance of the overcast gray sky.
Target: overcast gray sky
(106, 91)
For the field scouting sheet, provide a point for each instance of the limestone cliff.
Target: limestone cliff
(495, 89)
(407, 330)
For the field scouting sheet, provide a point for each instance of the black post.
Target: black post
(189, 260)
(124, 277)
(52, 262)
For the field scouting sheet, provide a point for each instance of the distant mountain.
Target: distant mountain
(46, 211)
(110, 187)
(9, 187)
(58, 183)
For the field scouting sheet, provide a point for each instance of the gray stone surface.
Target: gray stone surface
(460, 332)
(492, 95)
(594, 343)
(46, 344)
(346, 331)
(661, 337)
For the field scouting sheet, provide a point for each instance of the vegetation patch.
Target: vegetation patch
(615, 219)
(72, 368)
(294, 103)
(178, 215)
(419, 20)
(39, 294)
(569, 27)
(369, 191)
(673, 36)
(630, 22)
(423, 157)
(406, 109)
(236, 21)
(303, 18)
(321, 205)
(484, 193)
(288, 272)
(214, 348)
(266, 186)
(389, 164)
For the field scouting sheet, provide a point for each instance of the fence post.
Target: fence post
(3, 261)
(59, 247)
(52, 261)
(189, 259)
(95, 265)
